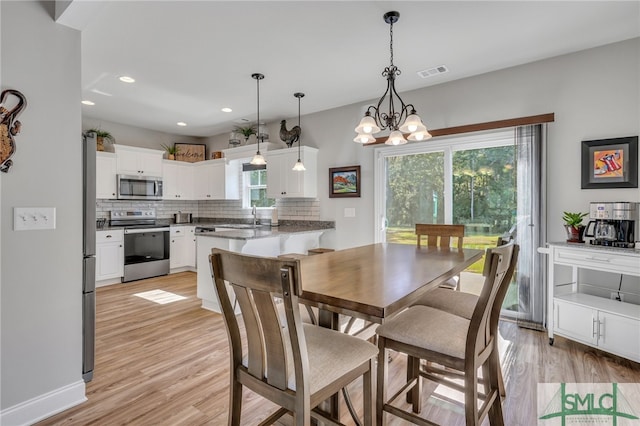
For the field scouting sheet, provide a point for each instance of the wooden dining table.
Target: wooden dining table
(374, 282)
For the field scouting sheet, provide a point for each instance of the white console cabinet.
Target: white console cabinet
(610, 325)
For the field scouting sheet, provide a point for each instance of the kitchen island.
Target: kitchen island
(258, 241)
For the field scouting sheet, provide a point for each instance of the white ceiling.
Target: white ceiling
(192, 58)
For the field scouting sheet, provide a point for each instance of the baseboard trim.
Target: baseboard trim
(45, 405)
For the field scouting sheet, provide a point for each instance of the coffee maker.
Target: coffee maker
(613, 224)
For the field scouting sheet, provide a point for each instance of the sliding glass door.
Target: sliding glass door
(482, 181)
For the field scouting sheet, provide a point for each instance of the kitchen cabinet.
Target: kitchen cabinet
(109, 254)
(283, 182)
(177, 180)
(216, 180)
(575, 313)
(182, 252)
(138, 161)
(106, 172)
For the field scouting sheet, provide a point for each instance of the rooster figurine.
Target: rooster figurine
(289, 136)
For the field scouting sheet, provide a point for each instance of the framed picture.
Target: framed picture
(191, 153)
(610, 163)
(344, 182)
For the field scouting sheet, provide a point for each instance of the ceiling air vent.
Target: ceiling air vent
(441, 69)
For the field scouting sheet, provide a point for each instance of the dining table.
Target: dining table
(376, 281)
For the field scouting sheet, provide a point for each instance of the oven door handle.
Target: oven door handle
(143, 230)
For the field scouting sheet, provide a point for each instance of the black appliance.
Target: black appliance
(88, 254)
(614, 224)
(146, 244)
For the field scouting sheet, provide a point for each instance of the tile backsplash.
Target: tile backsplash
(288, 209)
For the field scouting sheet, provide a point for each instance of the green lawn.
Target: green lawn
(481, 242)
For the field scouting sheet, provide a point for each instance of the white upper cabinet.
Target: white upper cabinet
(177, 180)
(216, 180)
(138, 161)
(283, 182)
(106, 170)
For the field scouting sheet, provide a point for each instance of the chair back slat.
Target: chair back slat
(439, 235)
(255, 349)
(274, 345)
(499, 267)
(271, 339)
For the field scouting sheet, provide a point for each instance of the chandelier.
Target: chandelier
(376, 120)
(258, 159)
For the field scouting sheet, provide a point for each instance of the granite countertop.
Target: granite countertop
(587, 246)
(263, 232)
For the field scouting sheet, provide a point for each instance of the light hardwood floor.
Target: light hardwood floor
(167, 364)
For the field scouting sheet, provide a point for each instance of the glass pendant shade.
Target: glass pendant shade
(364, 138)
(258, 160)
(413, 123)
(396, 138)
(419, 136)
(299, 167)
(367, 126)
(263, 132)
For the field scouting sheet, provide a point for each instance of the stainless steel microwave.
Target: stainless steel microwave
(139, 187)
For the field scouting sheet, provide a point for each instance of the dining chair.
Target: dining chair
(459, 303)
(441, 236)
(453, 346)
(294, 365)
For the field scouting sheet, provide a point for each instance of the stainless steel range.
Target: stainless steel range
(146, 244)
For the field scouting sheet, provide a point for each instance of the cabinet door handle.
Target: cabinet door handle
(108, 236)
(598, 259)
(594, 330)
(599, 330)
(120, 245)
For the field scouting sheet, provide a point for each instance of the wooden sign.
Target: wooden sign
(191, 153)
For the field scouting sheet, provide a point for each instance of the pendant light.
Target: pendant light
(299, 167)
(375, 119)
(258, 159)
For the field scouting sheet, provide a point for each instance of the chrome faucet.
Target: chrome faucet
(255, 220)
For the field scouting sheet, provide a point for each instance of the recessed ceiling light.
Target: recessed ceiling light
(226, 109)
(88, 103)
(181, 123)
(127, 79)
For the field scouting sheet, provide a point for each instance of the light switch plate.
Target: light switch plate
(349, 212)
(34, 218)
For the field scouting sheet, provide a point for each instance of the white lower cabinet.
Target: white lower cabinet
(109, 254)
(182, 252)
(579, 319)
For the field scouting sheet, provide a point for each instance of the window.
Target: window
(255, 189)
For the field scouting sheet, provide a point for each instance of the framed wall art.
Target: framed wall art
(344, 182)
(191, 153)
(610, 163)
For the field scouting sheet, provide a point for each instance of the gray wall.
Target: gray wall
(41, 270)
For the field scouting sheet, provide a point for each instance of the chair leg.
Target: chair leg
(368, 379)
(235, 403)
(416, 401)
(471, 396)
(383, 375)
(496, 417)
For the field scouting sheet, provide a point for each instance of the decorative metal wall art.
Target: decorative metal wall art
(9, 127)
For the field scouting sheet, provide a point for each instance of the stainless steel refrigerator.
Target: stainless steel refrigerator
(88, 254)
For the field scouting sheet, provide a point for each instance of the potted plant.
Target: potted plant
(102, 136)
(574, 227)
(246, 131)
(171, 151)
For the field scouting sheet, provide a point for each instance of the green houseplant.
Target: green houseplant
(246, 131)
(170, 150)
(102, 136)
(574, 227)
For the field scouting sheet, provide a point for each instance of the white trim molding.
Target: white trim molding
(45, 405)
